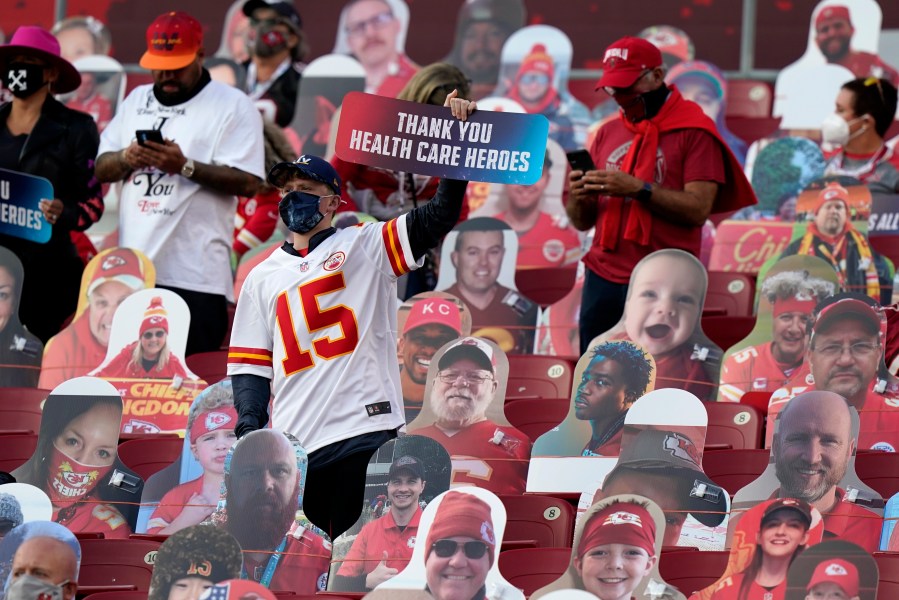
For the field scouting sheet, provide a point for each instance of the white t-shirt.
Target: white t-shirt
(184, 228)
(323, 329)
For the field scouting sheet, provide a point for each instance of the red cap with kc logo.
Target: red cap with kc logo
(173, 41)
(625, 60)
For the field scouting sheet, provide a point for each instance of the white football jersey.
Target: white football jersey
(323, 329)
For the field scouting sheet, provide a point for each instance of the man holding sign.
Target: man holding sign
(316, 327)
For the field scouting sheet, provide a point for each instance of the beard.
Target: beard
(835, 52)
(257, 532)
(171, 98)
(459, 406)
(791, 485)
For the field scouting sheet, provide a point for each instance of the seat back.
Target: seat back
(115, 562)
(149, 455)
(535, 416)
(20, 409)
(116, 596)
(749, 98)
(536, 376)
(887, 574)
(734, 469)
(546, 521)
(729, 293)
(15, 450)
(692, 571)
(211, 367)
(529, 569)
(733, 426)
(727, 331)
(880, 470)
(546, 286)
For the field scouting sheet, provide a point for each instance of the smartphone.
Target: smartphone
(151, 135)
(580, 160)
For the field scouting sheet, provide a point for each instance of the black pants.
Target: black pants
(602, 304)
(335, 481)
(208, 319)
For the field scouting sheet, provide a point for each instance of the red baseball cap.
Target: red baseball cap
(841, 572)
(625, 60)
(833, 13)
(173, 41)
(434, 311)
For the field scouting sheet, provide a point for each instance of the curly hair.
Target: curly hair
(211, 398)
(789, 284)
(635, 362)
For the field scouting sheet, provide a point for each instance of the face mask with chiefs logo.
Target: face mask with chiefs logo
(69, 480)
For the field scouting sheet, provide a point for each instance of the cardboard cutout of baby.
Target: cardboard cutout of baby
(815, 439)
(661, 458)
(775, 349)
(663, 313)
(477, 266)
(859, 375)
(535, 212)
(609, 379)
(482, 27)
(22, 503)
(144, 361)
(76, 460)
(285, 551)
(108, 279)
(624, 530)
(403, 477)
(374, 33)
(192, 560)
(186, 492)
(426, 322)
(833, 569)
(51, 535)
(464, 412)
(536, 63)
(20, 350)
(766, 541)
(459, 527)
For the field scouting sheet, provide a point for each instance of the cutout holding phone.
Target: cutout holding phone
(580, 160)
(151, 135)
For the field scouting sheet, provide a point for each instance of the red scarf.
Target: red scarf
(640, 161)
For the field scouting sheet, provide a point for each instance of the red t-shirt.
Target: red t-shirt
(729, 588)
(172, 503)
(865, 64)
(121, 367)
(510, 319)
(854, 523)
(684, 155)
(379, 536)
(92, 517)
(477, 460)
(752, 369)
(551, 242)
(302, 567)
(71, 353)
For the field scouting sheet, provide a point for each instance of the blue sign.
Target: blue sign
(20, 212)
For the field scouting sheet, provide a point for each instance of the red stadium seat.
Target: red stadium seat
(726, 331)
(749, 98)
(132, 595)
(529, 569)
(15, 450)
(880, 470)
(731, 294)
(734, 469)
(692, 571)
(757, 400)
(752, 129)
(887, 574)
(535, 416)
(732, 426)
(149, 455)
(546, 286)
(538, 522)
(536, 376)
(20, 409)
(209, 366)
(117, 563)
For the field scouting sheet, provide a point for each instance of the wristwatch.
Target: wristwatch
(645, 194)
(188, 169)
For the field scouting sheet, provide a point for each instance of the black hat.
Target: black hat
(197, 551)
(285, 10)
(407, 463)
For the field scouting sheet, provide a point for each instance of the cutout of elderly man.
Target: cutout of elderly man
(43, 567)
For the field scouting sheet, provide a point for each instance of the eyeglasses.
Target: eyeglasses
(529, 78)
(377, 22)
(469, 377)
(628, 91)
(149, 335)
(857, 350)
(447, 548)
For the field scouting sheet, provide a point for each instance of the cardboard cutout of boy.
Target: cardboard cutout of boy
(833, 569)
(192, 560)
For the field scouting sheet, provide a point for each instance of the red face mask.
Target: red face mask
(68, 479)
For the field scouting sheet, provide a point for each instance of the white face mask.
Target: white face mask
(29, 587)
(835, 130)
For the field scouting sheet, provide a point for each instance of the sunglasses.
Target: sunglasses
(149, 335)
(447, 548)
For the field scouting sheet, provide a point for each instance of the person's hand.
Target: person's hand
(134, 156)
(611, 183)
(577, 190)
(196, 511)
(166, 157)
(380, 574)
(51, 209)
(460, 107)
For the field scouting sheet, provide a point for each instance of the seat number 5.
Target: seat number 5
(316, 318)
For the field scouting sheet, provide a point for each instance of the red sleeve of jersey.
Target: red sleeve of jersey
(260, 225)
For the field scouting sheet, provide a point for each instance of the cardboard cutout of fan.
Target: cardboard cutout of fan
(20, 350)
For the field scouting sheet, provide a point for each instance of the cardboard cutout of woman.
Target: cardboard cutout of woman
(76, 461)
(20, 351)
(616, 551)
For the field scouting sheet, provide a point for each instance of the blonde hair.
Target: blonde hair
(212, 397)
(432, 79)
(138, 353)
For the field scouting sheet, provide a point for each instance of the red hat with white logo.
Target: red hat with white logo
(833, 13)
(121, 265)
(838, 571)
(625, 60)
(434, 311)
(619, 523)
(155, 317)
(831, 192)
(173, 41)
(461, 514)
(221, 417)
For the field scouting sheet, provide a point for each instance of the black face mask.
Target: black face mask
(639, 107)
(269, 41)
(299, 211)
(23, 80)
